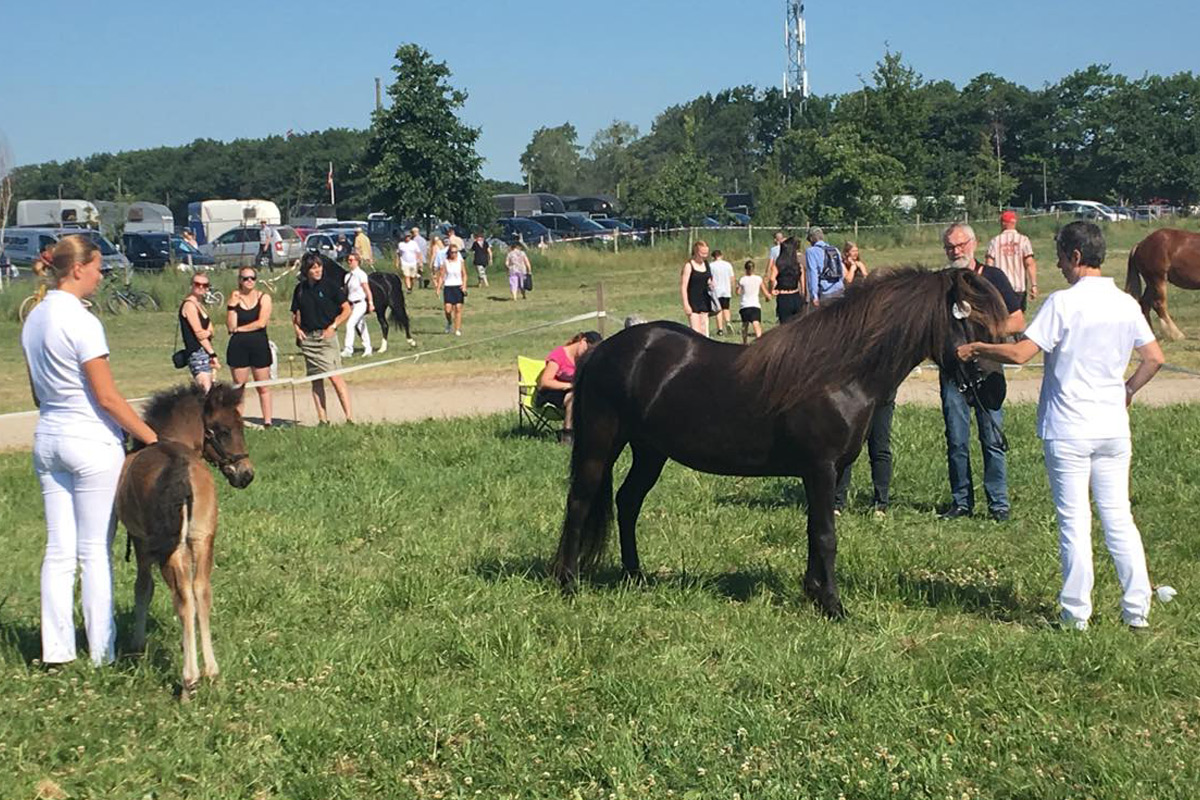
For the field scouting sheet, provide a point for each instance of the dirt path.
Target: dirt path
(408, 401)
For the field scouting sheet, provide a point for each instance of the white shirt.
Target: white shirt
(58, 338)
(265, 234)
(1008, 251)
(750, 286)
(410, 253)
(1087, 333)
(773, 253)
(722, 277)
(422, 245)
(454, 271)
(357, 285)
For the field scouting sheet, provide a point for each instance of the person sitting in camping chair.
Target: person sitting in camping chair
(557, 379)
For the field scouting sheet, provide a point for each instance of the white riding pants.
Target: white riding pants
(1071, 464)
(79, 483)
(358, 324)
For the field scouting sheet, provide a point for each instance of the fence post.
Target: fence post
(616, 241)
(652, 236)
(600, 315)
(750, 235)
(691, 238)
(967, 217)
(855, 229)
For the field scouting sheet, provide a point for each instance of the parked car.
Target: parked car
(323, 242)
(1087, 209)
(523, 229)
(154, 251)
(22, 245)
(343, 225)
(619, 228)
(573, 226)
(239, 247)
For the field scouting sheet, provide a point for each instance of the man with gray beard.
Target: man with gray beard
(960, 244)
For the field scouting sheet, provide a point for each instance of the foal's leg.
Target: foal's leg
(643, 474)
(177, 572)
(819, 581)
(143, 593)
(201, 539)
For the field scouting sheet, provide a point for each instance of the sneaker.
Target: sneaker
(1000, 514)
(448, 328)
(1138, 624)
(954, 512)
(368, 352)
(347, 353)
(458, 333)
(1072, 624)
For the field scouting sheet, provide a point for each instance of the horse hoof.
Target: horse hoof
(412, 342)
(636, 576)
(834, 609)
(383, 347)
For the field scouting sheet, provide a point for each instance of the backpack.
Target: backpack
(832, 271)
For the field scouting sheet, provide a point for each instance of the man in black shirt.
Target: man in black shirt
(960, 244)
(481, 253)
(319, 306)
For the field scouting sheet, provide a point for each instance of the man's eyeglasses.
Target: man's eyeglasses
(958, 245)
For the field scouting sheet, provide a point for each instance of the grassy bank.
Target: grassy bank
(386, 629)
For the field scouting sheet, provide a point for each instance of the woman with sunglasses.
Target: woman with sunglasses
(249, 351)
(196, 328)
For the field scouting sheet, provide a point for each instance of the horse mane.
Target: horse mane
(875, 328)
(223, 395)
(162, 405)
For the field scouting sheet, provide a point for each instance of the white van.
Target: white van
(22, 245)
(57, 213)
(208, 219)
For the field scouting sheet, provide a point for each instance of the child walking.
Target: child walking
(749, 287)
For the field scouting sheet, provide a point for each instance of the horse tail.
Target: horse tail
(589, 513)
(1133, 277)
(171, 503)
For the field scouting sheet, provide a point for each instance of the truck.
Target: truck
(208, 219)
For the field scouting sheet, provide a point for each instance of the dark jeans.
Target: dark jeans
(956, 411)
(879, 448)
(788, 306)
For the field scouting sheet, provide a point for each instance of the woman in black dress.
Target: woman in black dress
(249, 350)
(695, 283)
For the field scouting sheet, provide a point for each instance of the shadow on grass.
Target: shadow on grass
(25, 639)
(789, 495)
(740, 585)
(997, 601)
(524, 432)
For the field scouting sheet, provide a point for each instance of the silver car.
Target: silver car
(239, 247)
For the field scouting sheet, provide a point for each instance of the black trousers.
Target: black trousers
(879, 449)
(788, 306)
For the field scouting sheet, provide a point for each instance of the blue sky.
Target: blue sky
(86, 77)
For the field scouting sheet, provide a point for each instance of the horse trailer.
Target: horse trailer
(208, 219)
(526, 205)
(57, 213)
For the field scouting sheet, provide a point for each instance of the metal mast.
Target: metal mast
(795, 79)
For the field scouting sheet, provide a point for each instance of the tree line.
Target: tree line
(844, 157)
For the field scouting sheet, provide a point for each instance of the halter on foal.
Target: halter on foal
(804, 395)
(168, 502)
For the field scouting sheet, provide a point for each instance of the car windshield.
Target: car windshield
(106, 247)
(1104, 208)
(586, 224)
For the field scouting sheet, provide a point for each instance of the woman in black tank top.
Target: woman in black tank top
(196, 330)
(694, 282)
(249, 352)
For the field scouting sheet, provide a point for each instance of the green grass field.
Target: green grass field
(385, 628)
(640, 280)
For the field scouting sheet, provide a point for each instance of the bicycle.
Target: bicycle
(119, 299)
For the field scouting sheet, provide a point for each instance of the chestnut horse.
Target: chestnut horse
(167, 501)
(803, 396)
(1167, 255)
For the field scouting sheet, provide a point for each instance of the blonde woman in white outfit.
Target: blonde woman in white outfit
(1087, 333)
(358, 292)
(78, 451)
(452, 279)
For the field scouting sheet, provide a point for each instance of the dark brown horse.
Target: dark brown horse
(804, 395)
(167, 501)
(1167, 255)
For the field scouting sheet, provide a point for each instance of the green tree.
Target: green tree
(420, 159)
(680, 192)
(837, 177)
(609, 165)
(550, 162)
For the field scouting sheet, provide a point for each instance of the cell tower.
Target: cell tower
(795, 79)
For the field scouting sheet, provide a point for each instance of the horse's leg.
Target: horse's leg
(1157, 289)
(143, 593)
(201, 540)
(643, 474)
(400, 315)
(589, 498)
(177, 572)
(819, 581)
(381, 307)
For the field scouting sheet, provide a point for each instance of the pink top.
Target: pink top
(566, 367)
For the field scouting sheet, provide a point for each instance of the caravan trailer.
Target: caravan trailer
(57, 213)
(143, 217)
(208, 219)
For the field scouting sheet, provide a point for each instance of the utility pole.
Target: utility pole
(795, 37)
(378, 94)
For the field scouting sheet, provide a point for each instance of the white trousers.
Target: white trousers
(357, 324)
(79, 482)
(1071, 464)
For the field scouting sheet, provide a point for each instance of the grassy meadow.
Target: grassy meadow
(637, 280)
(385, 628)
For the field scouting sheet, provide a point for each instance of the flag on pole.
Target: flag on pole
(329, 183)
(287, 135)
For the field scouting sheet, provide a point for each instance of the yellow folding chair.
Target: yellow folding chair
(541, 418)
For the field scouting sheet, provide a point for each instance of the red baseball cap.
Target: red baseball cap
(1008, 215)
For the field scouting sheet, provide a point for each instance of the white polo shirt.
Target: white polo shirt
(1088, 333)
(58, 338)
(722, 277)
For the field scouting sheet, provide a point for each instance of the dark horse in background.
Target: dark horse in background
(1167, 255)
(167, 500)
(387, 293)
(804, 395)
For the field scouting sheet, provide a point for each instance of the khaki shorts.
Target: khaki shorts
(320, 355)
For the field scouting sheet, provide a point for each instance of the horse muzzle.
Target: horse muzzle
(239, 473)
